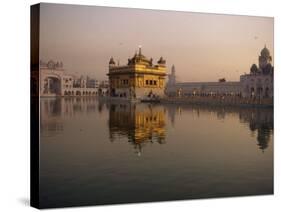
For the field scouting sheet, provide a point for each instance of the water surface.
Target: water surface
(97, 152)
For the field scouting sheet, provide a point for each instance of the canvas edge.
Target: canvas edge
(34, 104)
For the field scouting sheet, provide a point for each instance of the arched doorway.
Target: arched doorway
(52, 85)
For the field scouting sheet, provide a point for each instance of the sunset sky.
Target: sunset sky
(203, 47)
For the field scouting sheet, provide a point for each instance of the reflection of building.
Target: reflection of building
(50, 116)
(54, 81)
(139, 123)
(138, 79)
(259, 83)
(142, 124)
(260, 121)
(53, 110)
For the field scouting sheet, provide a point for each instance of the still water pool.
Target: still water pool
(100, 152)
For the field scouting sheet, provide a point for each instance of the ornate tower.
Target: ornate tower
(264, 58)
(172, 76)
(111, 62)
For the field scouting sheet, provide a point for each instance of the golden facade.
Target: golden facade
(139, 123)
(138, 79)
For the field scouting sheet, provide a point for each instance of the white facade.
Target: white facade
(174, 88)
(204, 89)
(54, 81)
(259, 82)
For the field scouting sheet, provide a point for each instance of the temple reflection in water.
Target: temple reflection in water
(262, 123)
(142, 123)
(54, 110)
(259, 120)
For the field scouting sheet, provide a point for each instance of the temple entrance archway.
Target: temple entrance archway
(52, 85)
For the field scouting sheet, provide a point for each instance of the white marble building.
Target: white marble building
(259, 82)
(182, 89)
(55, 81)
(205, 89)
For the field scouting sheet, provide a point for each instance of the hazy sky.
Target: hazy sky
(203, 47)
